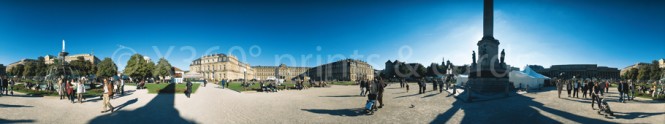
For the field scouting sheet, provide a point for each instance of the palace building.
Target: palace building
(280, 72)
(216, 67)
(578, 70)
(343, 70)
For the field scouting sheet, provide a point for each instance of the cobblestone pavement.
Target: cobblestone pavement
(337, 104)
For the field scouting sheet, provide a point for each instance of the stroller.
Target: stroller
(604, 108)
(370, 106)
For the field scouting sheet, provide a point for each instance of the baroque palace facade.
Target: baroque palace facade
(343, 70)
(216, 67)
(280, 72)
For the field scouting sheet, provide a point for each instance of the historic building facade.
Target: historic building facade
(280, 72)
(216, 67)
(343, 70)
(49, 59)
(578, 70)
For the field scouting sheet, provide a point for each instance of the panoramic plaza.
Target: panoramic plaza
(332, 62)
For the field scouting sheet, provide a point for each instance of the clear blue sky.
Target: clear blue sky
(613, 33)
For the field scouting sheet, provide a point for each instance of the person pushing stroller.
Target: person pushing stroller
(370, 106)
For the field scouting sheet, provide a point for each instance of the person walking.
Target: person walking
(420, 87)
(61, 88)
(632, 91)
(121, 84)
(441, 84)
(108, 91)
(2, 85)
(188, 92)
(607, 86)
(373, 94)
(576, 90)
(559, 87)
(205, 82)
(80, 90)
(381, 86)
(601, 86)
(585, 87)
(1, 82)
(401, 83)
(11, 83)
(362, 87)
(70, 90)
(227, 82)
(222, 83)
(595, 95)
(569, 86)
(620, 89)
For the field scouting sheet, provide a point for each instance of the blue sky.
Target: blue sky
(613, 33)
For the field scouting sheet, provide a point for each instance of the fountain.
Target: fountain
(58, 71)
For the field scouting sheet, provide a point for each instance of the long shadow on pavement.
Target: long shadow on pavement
(97, 98)
(343, 96)
(159, 110)
(430, 95)
(3, 121)
(337, 112)
(633, 115)
(12, 106)
(515, 109)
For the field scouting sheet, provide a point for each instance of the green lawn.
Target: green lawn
(21, 88)
(236, 86)
(179, 88)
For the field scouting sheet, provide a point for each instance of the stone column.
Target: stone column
(488, 18)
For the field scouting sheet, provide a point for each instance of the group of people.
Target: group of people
(592, 88)
(72, 89)
(269, 87)
(375, 89)
(6, 86)
(586, 87)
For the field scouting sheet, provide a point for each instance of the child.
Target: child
(407, 88)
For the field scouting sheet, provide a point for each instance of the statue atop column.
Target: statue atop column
(473, 56)
(503, 54)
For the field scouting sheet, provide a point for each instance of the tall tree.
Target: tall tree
(644, 73)
(655, 70)
(138, 68)
(633, 72)
(162, 69)
(79, 65)
(106, 68)
(404, 71)
(17, 70)
(420, 71)
(30, 69)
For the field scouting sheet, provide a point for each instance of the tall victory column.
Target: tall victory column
(488, 74)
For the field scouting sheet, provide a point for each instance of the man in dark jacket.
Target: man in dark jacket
(569, 87)
(576, 89)
(595, 95)
(189, 89)
(381, 86)
(620, 89)
(363, 84)
(624, 89)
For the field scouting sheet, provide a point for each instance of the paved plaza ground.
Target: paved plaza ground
(337, 104)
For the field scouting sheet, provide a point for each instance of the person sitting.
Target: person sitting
(263, 87)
